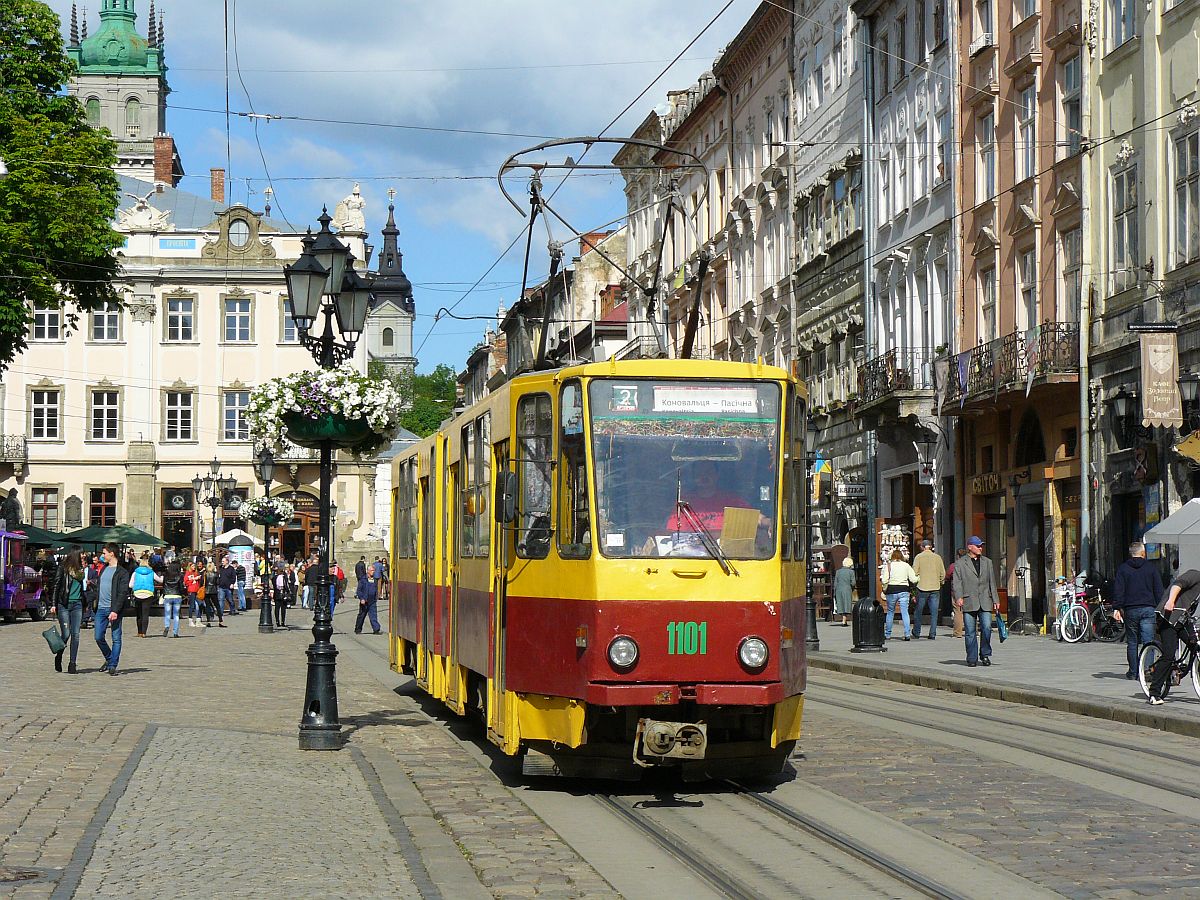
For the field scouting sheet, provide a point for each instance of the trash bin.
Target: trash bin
(867, 620)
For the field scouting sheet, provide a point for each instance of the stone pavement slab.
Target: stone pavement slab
(1085, 679)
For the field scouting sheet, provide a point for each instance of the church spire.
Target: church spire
(152, 28)
(83, 27)
(74, 26)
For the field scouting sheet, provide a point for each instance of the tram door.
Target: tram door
(450, 645)
(426, 574)
(500, 563)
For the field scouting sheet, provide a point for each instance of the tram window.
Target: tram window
(406, 507)
(483, 484)
(466, 480)
(535, 423)
(574, 519)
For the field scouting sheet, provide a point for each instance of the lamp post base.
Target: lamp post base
(264, 614)
(811, 640)
(320, 728)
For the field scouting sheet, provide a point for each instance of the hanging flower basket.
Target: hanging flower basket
(342, 406)
(269, 511)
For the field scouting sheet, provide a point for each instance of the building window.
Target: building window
(885, 59)
(943, 151)
(1124, 229)
(1024, 9)
(939, 22)
(802, 88)
(179, 416)
(987, 305)
(92, 109)
(47, 323)
(1121, 24)
(921, 49)
(885, 196)
(287, 325)
(901, 176)
(43, 508)
(983, 19)
(1027, 133)
(102, 506)
(181, 318)
(237, 320)
(105, 415)
(233, 416)
(1071, 262)
(1187, 198)
(1027, 290)
(1071, 126)
(389, 337)
(921, 171)
(133, 118)
(987, 156)
(901, 46)
(44, 412)
(106, 323)
(839, 58)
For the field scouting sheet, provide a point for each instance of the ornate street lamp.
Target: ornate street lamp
(266, 470)
(322, 282)
(211, 491)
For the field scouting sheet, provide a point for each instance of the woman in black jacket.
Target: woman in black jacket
(173, 592)
(66, 603)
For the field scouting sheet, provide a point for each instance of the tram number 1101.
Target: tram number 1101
(687, 638)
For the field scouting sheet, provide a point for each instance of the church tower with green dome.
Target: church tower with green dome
(122, 84)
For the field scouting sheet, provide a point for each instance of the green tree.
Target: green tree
(60, 196)
(432, 397)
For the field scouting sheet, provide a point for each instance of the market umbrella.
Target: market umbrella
(114, 534)
(40, 536)
(236, 534)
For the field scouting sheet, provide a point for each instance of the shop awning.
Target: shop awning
(1180, 527)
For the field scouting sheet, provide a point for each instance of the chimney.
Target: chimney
(589, 241)
(164, 159)
(217, 178)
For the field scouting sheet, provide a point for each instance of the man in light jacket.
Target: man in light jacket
(974, 592)
(931, 572)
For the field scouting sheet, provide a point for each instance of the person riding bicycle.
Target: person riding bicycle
(1136, 589)
(1176, 607)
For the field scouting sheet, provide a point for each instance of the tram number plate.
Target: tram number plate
(687, 638)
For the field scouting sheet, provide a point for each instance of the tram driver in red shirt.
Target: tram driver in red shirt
(706, 499)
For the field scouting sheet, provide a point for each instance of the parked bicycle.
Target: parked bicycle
(1187, 657)
(1074, 617)
(1105, 626)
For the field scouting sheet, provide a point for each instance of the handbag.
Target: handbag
(54, 639)
(1002, 627)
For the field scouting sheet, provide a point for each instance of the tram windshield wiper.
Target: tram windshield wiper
(706, 537)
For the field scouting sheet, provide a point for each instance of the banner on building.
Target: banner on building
(964, 363)
(1161, 405)
(1032, 348)
(941, 382)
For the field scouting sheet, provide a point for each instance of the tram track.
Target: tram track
(876, 705)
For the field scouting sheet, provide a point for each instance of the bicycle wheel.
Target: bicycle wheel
(1109, 630)
(1146, 659)
(1074, 624)
(1195, 670)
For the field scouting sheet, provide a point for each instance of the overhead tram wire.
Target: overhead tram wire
(567, 175)
(249, 102)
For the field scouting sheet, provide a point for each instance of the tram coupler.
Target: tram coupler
(657, 741)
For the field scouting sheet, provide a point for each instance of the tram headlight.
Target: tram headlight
(623, 652)
(753, 652)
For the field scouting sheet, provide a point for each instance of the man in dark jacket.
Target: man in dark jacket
(226, 582)
(1136, 591)
(107, 595)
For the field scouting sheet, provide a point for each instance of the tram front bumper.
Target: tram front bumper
(670, 694)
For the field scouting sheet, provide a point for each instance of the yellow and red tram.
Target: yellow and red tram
(606, 563)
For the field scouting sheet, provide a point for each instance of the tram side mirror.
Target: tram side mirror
(506, 497)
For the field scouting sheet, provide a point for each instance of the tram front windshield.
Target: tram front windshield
(681, 465)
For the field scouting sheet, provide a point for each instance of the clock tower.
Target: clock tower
(122, 84)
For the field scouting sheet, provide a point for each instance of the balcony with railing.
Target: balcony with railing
(903, 378)
(14, 449)
(1003, 365)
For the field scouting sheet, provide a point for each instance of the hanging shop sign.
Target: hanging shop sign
(851, 490)
(1161, 403)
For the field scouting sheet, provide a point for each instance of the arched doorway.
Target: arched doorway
(299, 536)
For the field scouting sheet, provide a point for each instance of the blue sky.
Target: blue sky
(527, 67)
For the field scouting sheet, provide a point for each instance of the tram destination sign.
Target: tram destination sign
(706, 400)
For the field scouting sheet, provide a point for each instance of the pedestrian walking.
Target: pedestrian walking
(212, 597)
(108, 595)
(67, 596)
(226, 584)
(240, 574)
(975, 593)
(280, 585)
(143, 581)
(931, 572)
(360, 573)
(1174, 610)
(193, 582)
(955, 609)
(898, 580)
(172, 583)
(368, 597)
(843, 591)
(1137, 589)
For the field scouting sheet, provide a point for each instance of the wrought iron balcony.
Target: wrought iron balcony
(896, 371)
(1004, 364)
(14, 449)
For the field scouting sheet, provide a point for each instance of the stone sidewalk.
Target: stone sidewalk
(182, 777)
(1085, 679)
